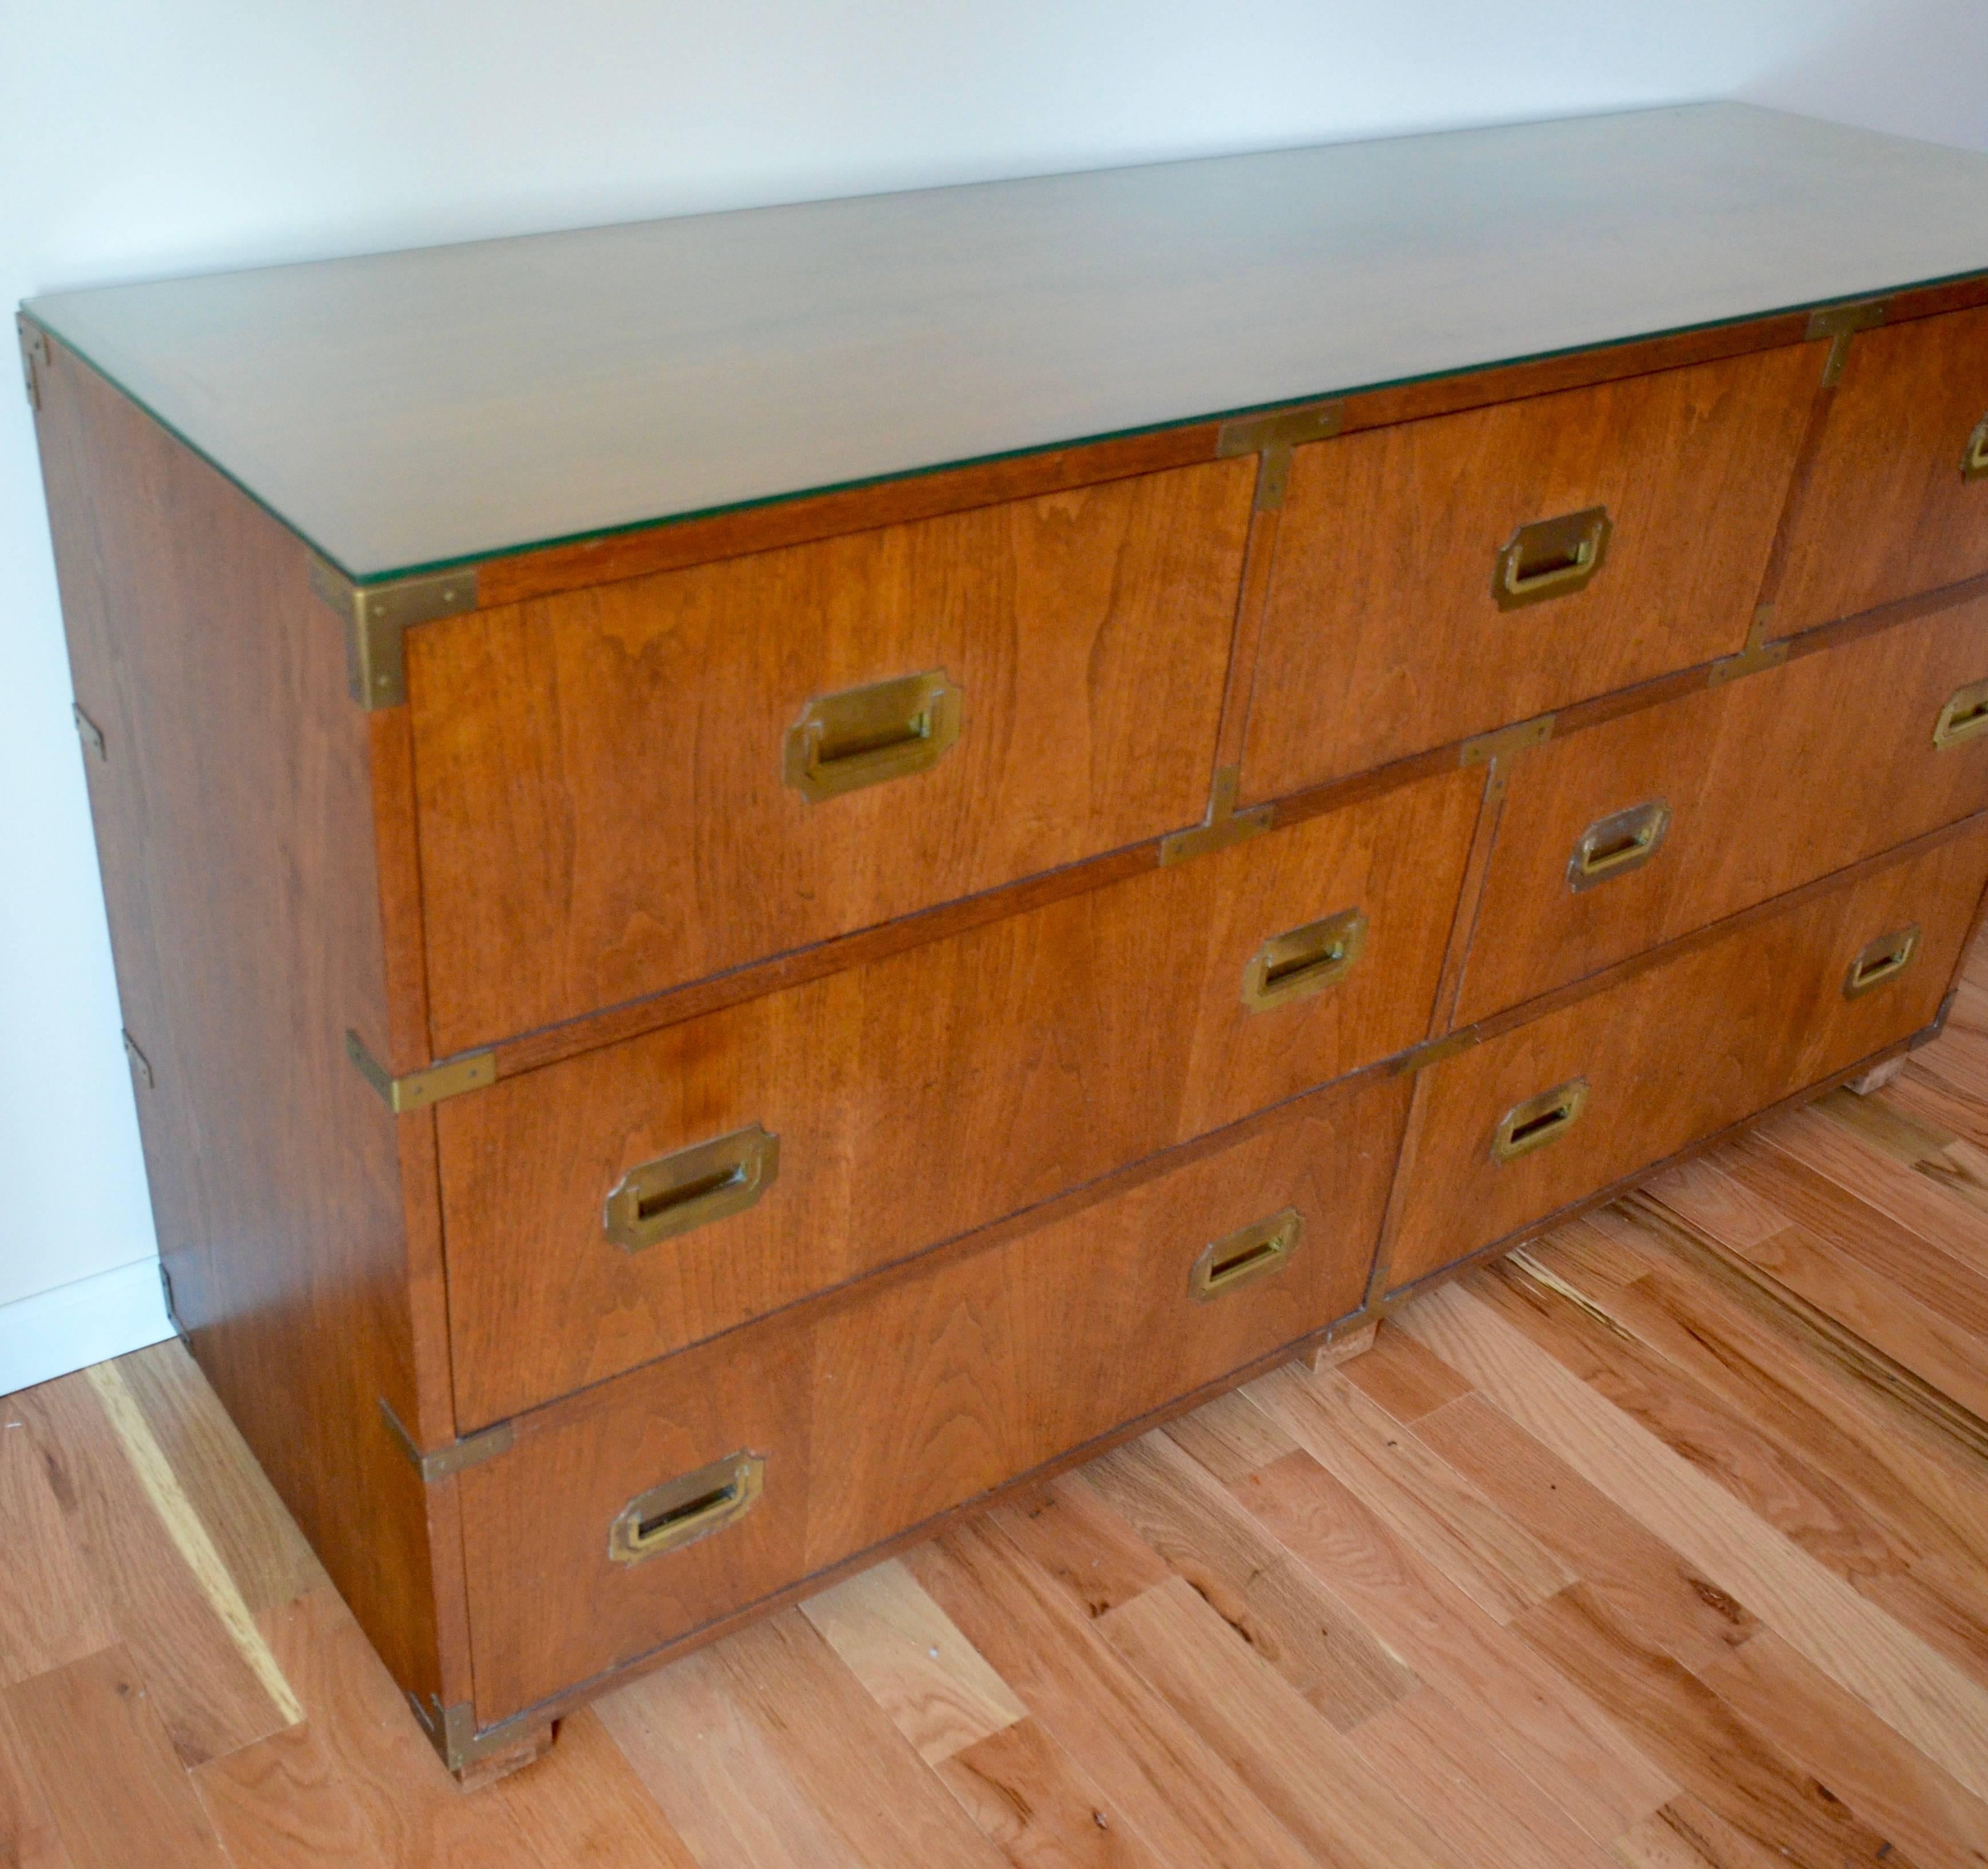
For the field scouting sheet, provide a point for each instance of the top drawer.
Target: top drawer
(1442, 578)
(1896, 503)
(623, 788)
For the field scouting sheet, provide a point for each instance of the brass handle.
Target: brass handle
(1974, 462)
(1613, 846)
(1539, 1120)
(1886, 958)
(682, 1510)
(864, 736)
(1248, 1253)
(1964, 717)
(1551, 558)
(691, 1188)
(1304, 961)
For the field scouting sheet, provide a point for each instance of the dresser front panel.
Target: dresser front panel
(877, 1410)
(1383, 636)
(1770, 783)
(1889, 511)
(603, 775)
(919, 1096)
(1677, 1053)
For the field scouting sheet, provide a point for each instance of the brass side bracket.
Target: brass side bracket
(1223, 826)
(1486, 747)
(1840, 323)
(1251, 435)
(34, 359)
(376, 616)
(418, 1089)
(467, 1452)
(451, 1731)
(1749, 661)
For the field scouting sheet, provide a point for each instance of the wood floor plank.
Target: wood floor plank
(105, 1765)
(1917, 1690)
(413, 1810)
(1182, 1800)
(840, 1749)
(1070, 1531)
(1309, 1775)
(50, 1613)
(1028, 1797)
(1701, 1192)
(1412, 1490)
(584, 1805)
(1230, 1438)
(1684, 1835)
(281, 1804)
(1588, 1246)
(210, 1698)
(27, 1838)
(1697, 1737)
(1892, 1786)
(1555, 1735)
(1471, 1795)
(1922, 1091)
(257, 1539)
(1268, 1598)
(936, 1687)
(1397, 1374)
(1644, 1582)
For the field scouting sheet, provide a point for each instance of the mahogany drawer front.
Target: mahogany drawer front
(918, 1097)
(1891, 509)
(626, 787)
(878, 1408)
(1383, 635)
(1625, 836)
(1677, 1053)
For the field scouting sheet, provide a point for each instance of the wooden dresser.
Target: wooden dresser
(768, 871)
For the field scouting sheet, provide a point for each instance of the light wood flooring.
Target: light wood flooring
(1663, 1544)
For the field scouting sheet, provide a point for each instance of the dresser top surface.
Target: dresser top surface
(422, 408)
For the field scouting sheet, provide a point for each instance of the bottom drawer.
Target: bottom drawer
(1531, 1122)
(638, 1512)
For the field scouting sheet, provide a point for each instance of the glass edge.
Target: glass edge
(628, 528)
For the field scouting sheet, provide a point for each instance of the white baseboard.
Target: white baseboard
(73, 1325)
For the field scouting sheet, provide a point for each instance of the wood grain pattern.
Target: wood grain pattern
(1381, 636)
(1886, 512)
(928, 1094)
(1027, 1794)
(1771, 781)
(602, 808)
(1658, 1078)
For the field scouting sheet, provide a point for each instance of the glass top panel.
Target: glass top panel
(421, 408)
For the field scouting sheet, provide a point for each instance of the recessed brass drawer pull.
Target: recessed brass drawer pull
(1974, 463)
(1263, 1246)
(1886, 958)
(1551, 558)
(1539, 1120)
(682, 1510)
(692, 1187)
(1613, 846)
(1964, 717)
(864, 736)
(1305, 961)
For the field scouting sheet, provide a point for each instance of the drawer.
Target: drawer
(626, 787)
(877, 1409)
(919, 1096)
(1620, 1081)
(1386, 630)
(1896, 503)
(1623, 836)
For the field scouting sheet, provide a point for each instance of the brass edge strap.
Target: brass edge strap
(452, 1731)
(473, 1071)
(467, 1452)
(1249, 434)
(1483, 748)
(376, 616)
(1433, 1051)
(1840, 323)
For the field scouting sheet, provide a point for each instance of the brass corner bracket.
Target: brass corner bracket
(452, 1731)
(34, 359)
(473, 1071)
(376, 616)
(468, 1452)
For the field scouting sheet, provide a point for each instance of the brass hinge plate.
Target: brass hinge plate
(1250, 435)
(475, 1070)
(1486, 747)
(452, 1731)
(1223, 826)
(34, 359)
(377, 617)
(469, 1452)
(141, 1066)
(1749, 661)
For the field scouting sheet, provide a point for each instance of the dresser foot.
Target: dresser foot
(1877, 1076)
(1334, 1350)
(513, 1758)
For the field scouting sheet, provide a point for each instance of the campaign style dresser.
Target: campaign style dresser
(768, 871)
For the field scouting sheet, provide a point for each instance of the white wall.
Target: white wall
(140, 139)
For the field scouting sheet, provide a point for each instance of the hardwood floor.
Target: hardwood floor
(1663, 1544)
